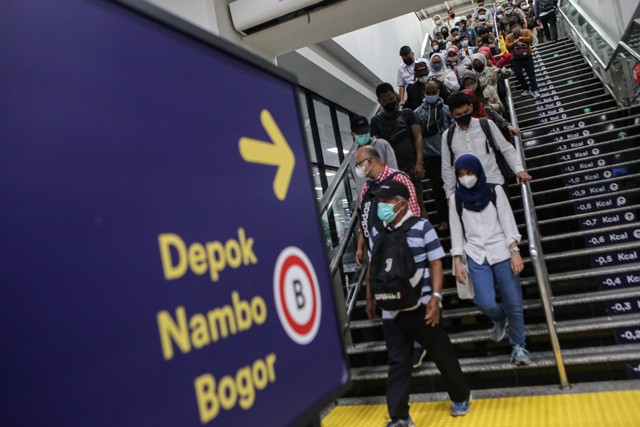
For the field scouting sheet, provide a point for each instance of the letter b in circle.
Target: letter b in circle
(297, 295)
(297, 288)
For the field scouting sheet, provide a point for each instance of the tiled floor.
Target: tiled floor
(603, 409)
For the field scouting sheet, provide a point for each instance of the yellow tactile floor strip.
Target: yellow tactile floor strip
(605, 409)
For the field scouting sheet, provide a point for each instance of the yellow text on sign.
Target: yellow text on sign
(233, 390)
(274, 153)
(202, 329)
(212, 256)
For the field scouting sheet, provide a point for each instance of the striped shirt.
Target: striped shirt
(425, 246)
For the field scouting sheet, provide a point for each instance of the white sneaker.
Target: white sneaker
(525, 93)
(535, 94)
(418, 357)
(520, 356)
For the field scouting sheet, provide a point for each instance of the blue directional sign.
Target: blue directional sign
(161, 256)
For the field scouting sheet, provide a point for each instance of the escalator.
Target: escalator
(583, 152)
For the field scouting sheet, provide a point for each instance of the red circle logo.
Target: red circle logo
(297, 295)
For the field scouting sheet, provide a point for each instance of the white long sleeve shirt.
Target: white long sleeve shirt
(473, 141)
(488, 232)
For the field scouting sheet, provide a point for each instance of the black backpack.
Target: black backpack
(392, 265)
(512, 18)
(444, 90)
(547, 5)
(415, 93)
(505, 169)
(435, 120)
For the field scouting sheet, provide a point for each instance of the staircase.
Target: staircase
(584, 155)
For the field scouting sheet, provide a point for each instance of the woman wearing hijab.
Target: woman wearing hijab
(487, 95)
(491, 60)
(486, 74)
(479, 111)
(454, 62)
(443, 74)
(484, 230)
(485, 111)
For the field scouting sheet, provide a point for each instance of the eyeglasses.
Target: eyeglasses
(362, 161)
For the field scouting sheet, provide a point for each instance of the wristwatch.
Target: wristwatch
(515, 249)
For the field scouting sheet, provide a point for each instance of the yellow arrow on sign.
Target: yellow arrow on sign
(275, 153)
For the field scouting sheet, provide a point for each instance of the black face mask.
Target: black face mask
(453, 15)
(485, 39)
(390, 107)
(464, 120)
(478, 68)
(408, 61)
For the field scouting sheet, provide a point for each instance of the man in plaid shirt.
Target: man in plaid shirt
(369, 162)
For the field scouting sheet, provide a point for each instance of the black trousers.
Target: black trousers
(525, 65)
(399, 334)
(549, 25)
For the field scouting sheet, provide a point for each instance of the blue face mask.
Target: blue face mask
(437, 67)
(363, 139)
(386, 213)
(431, 99)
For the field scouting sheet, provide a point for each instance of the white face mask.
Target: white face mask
(423, 79)
(438, 21)
(360, 172)
(468, 181)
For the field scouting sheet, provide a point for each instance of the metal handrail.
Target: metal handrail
(629, 49)
(353, 224)
(537, 256)
(593, 24)
(353, 297)
(617, 48)
(324, 204)
(329, 196)
(584, 41)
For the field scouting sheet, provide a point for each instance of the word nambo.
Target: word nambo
(213, 256)
(203, 329)
(231, 391)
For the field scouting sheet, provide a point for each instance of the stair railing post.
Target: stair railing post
(537, 256)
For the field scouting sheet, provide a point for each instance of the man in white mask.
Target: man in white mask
(368, 161)
(361, 133)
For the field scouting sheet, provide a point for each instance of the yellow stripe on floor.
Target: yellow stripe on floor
(604, 409)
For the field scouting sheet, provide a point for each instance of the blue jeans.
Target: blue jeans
(485, 279)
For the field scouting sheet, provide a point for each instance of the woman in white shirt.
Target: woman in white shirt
(488, 236)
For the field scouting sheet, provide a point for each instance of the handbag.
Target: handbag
(521, 51)
(465, 290)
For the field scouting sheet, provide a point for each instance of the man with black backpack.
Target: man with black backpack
(433, 114)
(483, 139)
(405, 280)
(513, 16)
(545, 12)
(401, 129)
